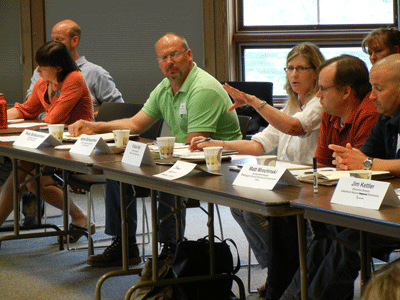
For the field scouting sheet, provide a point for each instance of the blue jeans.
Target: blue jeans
(167, 230)
(255, 228)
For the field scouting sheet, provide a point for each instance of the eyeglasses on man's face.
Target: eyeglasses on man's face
(299, 69)
(174, 55)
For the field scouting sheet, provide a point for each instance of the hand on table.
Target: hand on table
(347, 158)
(81, 127)
(199, 146)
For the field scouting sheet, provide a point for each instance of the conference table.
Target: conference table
(51, 157)
(283, 200)
(204, 187)
(318, 207)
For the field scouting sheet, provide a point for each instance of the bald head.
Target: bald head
(385, 80)
(69, 27)
(68, 33)
(390, 65)
(172, 38)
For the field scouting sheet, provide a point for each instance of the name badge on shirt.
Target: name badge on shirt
(182, 109)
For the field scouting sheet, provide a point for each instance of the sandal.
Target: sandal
(78, 232)
(76, 190)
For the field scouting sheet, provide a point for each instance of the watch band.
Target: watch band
(367, 164)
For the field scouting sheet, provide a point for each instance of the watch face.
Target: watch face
(367, 164)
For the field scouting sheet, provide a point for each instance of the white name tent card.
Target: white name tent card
(182, 168)
(34, 139)
(178, 170)
(87, 143)
(364, 193)
(264, 177)
(137, 154)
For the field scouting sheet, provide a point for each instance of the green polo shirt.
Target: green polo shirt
(200, 105)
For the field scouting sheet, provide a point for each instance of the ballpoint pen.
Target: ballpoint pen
(200, 141)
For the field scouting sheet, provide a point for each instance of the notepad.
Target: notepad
(330, 176)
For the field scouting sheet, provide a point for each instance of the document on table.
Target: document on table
(8, 138)
(177, 146)
(25, 125)
(105, 136)
(330, 176)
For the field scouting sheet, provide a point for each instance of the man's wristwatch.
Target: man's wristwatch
(367, 164)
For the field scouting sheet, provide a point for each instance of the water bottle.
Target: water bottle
(3, 112)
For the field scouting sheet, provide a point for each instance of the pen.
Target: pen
(315, 183)
(200, 141)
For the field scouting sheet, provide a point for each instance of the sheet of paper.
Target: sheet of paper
(105, 136)
(327, 174)
(291, 166)
(25, 125)
(8, 138)
(180, 146)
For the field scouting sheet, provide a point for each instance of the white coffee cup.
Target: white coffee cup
(121, 137)
(266, 160)
(56, 130)
(213, 158)
(166, 146)
(362, 174)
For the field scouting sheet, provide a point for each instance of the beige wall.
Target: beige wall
(118, 35)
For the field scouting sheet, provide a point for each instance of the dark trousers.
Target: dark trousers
(167, 230)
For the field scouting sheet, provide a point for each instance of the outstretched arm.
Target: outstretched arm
(273, 116)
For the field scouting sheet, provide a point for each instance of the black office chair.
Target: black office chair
(244, 122)
(263, 91)
(109, 111)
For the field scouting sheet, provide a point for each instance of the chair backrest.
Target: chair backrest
(154, 131)
(263, 91)
(109, 111)
(244, 122)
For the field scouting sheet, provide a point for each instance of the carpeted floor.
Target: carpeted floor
(36, 269)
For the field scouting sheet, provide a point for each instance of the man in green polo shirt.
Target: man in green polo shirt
(192, 103)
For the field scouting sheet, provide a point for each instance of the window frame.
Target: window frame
(224, 34)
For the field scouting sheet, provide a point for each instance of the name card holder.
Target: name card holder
(364, 193)
(35, 139)
(137, 154)
(264, 177)
(87, 143)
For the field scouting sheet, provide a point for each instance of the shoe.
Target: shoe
(79, 232)
(168, 252)
(29, 209)
(112, 255)
(262, 291)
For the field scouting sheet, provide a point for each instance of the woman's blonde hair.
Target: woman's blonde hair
(385, 285)
(310, 52)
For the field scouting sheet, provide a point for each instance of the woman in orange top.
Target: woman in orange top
(63, 94)
(61, 91)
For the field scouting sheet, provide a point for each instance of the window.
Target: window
(263, 32)
(317, 12)
(267, 63)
